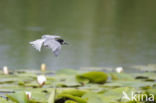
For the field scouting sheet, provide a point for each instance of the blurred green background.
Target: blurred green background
(100, 32)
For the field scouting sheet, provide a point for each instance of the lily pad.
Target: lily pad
(18, 97)
(71, 91)
(52, 96)
(97, 98)
(70, 97)
(92, 77)
(2, 100)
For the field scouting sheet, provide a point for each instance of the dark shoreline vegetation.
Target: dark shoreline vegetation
(79, 86)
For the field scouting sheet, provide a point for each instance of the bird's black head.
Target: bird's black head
(61, 41)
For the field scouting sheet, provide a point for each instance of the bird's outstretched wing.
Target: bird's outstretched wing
(54, 45)
(50, 37)
(37, 43)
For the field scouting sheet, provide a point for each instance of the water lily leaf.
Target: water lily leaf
(72, 91)
(38, 95)
(18, 97)
(32, 84)
(117, 93)
(68, 84)
(147, 75)
(93, 98)
(70, 97)
(96, 98)
(113, 84)
(7, 80)
(93, 87)
(92, 77)
(2, 100)
(135, 84)
(151, 91)
(52, 96)
(141, 77)
(65, 81)
(121, 76)
(70, 101)
(26, 75)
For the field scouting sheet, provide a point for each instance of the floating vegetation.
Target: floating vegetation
(77, 86)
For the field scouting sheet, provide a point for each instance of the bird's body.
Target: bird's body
(50, 41)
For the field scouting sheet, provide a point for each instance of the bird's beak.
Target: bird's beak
(65, 43)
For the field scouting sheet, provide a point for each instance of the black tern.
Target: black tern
(50, 41)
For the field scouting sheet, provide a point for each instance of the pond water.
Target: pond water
(100, 32)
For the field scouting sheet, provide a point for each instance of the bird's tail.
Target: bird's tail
(37, 44)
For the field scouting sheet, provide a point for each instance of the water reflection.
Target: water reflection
(100, 32)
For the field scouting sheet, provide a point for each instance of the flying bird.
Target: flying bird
(50, 41)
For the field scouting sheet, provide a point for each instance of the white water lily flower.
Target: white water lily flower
(28, 94)
(5, 70)
(41, 79)
(119, 69)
